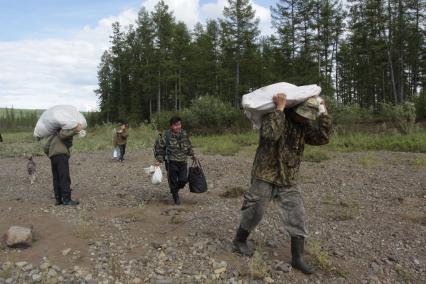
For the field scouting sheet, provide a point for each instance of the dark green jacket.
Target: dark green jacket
(177, 147)
(281, 146)
(60, 143)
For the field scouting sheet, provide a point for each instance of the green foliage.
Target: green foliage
(420, 104)
(349, 114)
(403, 115)
(207, 115)
(22, 119)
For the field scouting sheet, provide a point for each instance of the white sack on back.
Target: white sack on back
(259, 102)
(57, 117)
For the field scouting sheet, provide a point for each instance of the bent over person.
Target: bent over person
(173, 146)
(283, 134)
(57, 148)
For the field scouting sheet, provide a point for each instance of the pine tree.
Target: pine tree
(241, 30)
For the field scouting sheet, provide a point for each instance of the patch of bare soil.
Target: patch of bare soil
(366, 215)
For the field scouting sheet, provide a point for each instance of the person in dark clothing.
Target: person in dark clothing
(173, 146)
(1, 138)
(122, 134)
(58, 150)
(283, 134)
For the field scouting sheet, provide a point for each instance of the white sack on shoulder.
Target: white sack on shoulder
(157, 176)
(58, 117)
(259, 102)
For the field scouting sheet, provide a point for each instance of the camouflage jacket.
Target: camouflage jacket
(174, 147)
(60, 143)
(281, 146)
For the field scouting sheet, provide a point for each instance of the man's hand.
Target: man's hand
(78, 128)
(279, 101)
(157, 164)
(321, 108)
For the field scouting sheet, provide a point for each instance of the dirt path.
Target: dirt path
(366, 213)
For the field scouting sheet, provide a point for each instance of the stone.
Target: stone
(21, 264)
(19, 237)
(45, 265)
(219, 270)
(66, 251)
(268, 280)
(36, 277)
(282, 266)
(52, 273)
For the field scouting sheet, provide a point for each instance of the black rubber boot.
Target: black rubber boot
(297, 249)
(58, 202)
(239, 244)
(71, 202)
(176, 198)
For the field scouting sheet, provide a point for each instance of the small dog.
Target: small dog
(31, 168)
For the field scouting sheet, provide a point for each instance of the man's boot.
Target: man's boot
(297, 249)
(239, 244)
(68, 201)
(176, 198)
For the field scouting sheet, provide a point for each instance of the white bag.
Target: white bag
(115, 153)
(58, 117)
(259, 102)
(149, 170)
(157, 176)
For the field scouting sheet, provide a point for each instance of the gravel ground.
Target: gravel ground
(366, 216)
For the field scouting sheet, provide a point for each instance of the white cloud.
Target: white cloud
(42, 73)
(186, 11)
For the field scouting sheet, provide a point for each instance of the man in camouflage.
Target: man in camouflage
(283, 134)
(173, 146)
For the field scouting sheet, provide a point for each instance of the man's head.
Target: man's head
(176, 124)
(309, 109)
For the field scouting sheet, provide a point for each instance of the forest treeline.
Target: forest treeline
(366, 54)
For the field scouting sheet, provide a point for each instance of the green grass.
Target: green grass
(142, 137)
(315, 154)
(97, 138)
(226, 145)
(413, 142)
(369, 160)
(322, 260)
(100, 138)
(420, 162)
(20, 144)
(233, 192)
(340, 210)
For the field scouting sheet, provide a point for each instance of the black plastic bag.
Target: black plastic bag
(196, 179)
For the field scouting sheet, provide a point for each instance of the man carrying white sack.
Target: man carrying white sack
(57, 148)
(283, 134)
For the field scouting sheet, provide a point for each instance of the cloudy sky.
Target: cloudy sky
(50, 49)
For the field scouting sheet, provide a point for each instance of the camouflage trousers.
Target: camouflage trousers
(288, 199)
